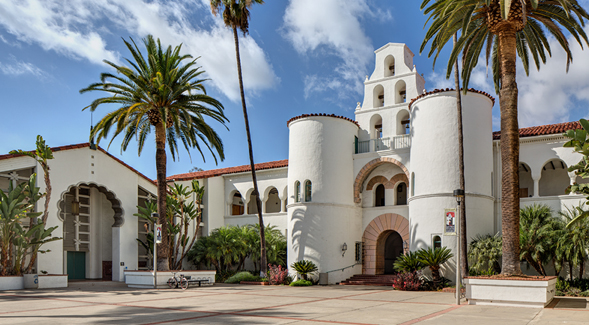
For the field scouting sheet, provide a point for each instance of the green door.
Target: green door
(76, 265)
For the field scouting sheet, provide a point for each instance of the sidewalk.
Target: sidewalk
(114, 303)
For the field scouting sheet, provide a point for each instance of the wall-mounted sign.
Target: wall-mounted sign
(158, 233)
(450, 222)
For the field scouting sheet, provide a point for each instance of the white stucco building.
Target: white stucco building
(379, 184)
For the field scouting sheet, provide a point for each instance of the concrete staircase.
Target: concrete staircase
(370, 280)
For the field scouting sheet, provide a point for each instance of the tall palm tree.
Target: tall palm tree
(506, 29)
(163, 92)
(236, 14)
(461, 182)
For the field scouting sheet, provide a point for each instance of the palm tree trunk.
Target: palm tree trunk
(571, 269)
(509, 152)
(160, 165)
(581, 268)
(47, 192)
(256, 193)
(463, 239)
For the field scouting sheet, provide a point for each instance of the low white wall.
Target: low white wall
(144, 279)
(11, 283)
(53, 281)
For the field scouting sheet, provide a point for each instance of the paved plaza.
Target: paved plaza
(114, 303)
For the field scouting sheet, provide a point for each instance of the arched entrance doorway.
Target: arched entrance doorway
(383, 241)
(393, 248)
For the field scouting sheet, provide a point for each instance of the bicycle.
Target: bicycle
(178, 281)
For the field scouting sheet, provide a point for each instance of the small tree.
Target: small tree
(434, 258)
(539, 233)
(580, 144)
(180, 214)
(484, 252)
(304, 267)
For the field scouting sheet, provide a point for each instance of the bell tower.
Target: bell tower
(384, 112)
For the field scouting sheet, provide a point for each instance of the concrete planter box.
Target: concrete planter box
(11, 283)
(517, 292)
(47, 281)
(144, 279)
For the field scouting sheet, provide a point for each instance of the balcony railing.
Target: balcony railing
(396, 142)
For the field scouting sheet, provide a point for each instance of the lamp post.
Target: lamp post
(459, 194)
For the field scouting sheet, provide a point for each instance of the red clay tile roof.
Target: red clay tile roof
(543, 130)
(435, 91)
(86, 145)
(326, 115)
(229, 170)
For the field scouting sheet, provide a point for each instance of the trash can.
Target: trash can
(323, 279)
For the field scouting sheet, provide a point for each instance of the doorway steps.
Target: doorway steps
(370, 280)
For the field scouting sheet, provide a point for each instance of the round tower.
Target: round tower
(322, 216)
(434, 165)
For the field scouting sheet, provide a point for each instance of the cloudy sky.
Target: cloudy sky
(301, 56)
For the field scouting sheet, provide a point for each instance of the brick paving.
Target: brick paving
(114, 303)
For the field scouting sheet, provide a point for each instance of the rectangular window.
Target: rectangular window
(358, 252)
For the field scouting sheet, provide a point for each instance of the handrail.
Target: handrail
(347, 267)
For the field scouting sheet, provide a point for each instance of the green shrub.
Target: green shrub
(304, 267)
(575, 292)
(484, 254)
(242, 276)
(300, 283)
(559, 293)
(434, 258)
(584, 294)
(562, 285)
(408, 263)
(221, 276)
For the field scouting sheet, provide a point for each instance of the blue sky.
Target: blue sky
(302, 56)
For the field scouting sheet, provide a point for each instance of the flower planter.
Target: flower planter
(536, 292)
(11, 283)
(144, 279)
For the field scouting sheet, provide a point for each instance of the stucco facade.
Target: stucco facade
(379, 183)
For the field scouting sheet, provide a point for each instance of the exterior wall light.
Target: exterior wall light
(344, 249)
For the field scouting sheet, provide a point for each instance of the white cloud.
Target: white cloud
(18, 68)
(77, 29)
(549, 95)
(332, 27)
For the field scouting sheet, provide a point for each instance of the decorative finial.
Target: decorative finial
(358, 105)
(366, 77)
(424, 91)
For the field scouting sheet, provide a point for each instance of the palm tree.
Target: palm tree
(236, 15)
(434, 258)
(161, 92)
(484, 252)
(506, 29)
(539, 233)
(574, 241)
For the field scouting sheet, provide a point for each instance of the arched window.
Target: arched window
(526, 183)
(402, 194)
(307, 191)
(437, 242)
(297, 191)
(379, 196)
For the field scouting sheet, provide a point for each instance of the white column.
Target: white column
(117, 270)
(573, 178)
(536, 185)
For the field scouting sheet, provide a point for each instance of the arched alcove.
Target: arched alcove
(403, 122)
(401, 194)
(389, 66)
(272, 201)
(237, 204)
(379, 196)
(526, 183)
(252, 204)
(376, 127)
(400, 92)
(378, 99)
(555, 178)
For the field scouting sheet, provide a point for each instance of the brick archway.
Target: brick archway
(368, 168)
(375, 236)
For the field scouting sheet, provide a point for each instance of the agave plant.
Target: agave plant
(304, 267)
(408, 263)
(434, 258)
